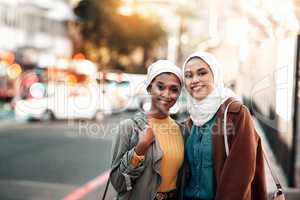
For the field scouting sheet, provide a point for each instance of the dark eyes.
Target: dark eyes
(175, 90)
(188, 75)
(161, 87)
(202, 73)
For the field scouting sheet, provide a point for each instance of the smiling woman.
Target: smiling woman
(212, 175)
(148, 151)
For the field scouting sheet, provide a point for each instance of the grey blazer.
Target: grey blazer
(141, 182)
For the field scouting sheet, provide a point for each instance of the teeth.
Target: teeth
(197, 87)
(164, 102)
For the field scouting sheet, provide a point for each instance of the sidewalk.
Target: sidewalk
(290, 193)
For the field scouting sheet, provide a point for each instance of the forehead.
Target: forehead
(196, 63)
(167, 79)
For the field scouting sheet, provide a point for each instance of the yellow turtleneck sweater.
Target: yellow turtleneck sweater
(170, 139)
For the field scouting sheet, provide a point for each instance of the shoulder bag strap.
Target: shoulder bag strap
(225, 127)
(106, 188)
(274, 176)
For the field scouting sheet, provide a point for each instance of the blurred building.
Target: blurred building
(33, 34)
(32, 28)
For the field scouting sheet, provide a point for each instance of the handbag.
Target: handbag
(278, 194)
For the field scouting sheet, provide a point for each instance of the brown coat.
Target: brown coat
(241, 176)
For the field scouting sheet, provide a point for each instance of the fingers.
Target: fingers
(146, 134)
(140, 130)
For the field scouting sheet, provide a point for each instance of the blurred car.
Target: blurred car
(65, 103)
(135, 91)
(125, 91)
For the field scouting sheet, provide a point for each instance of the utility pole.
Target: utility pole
(292, 171)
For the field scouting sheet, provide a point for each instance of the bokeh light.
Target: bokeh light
(14, 71)
(37, 90)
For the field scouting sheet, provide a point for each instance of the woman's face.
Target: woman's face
(198, 78)
(164, 91)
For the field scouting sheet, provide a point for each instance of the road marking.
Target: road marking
(88, 187)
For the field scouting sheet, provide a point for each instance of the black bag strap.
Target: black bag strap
(106, 188)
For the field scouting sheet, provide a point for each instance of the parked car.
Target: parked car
(76, 102)
(126, 91)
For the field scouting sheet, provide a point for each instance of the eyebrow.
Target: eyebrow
(160, 82)
(173, 85)
(201, 68)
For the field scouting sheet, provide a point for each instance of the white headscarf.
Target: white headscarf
(204, 110)
(162, 66)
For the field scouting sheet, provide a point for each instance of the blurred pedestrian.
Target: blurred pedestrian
(148, 151)
(211, 174)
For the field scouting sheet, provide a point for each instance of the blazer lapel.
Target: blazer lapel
(157, 155)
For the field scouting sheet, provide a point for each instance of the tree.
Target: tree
(102, 27)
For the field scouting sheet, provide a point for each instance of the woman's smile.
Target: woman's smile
(164, 101)
(197, 87)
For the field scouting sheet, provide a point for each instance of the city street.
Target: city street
(50, 160)
(72, 70)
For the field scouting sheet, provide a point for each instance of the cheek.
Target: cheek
(208, 80)
(154, 91)
(187, 83)
(175, 96)
(211, 82)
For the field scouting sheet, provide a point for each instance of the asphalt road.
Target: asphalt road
(49, 160)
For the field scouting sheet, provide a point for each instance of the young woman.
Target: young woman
(211, 174)
(149, 149)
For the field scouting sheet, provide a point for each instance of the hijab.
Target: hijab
(201, 111)
(162, 66)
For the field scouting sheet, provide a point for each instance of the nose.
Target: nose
(195, 79)
(166, 94)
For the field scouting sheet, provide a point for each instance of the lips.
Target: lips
(164, 101)
(197, 87)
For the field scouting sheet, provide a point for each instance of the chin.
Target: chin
(199, 97)
(164, 110)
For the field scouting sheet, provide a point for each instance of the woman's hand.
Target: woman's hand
(146, 139)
